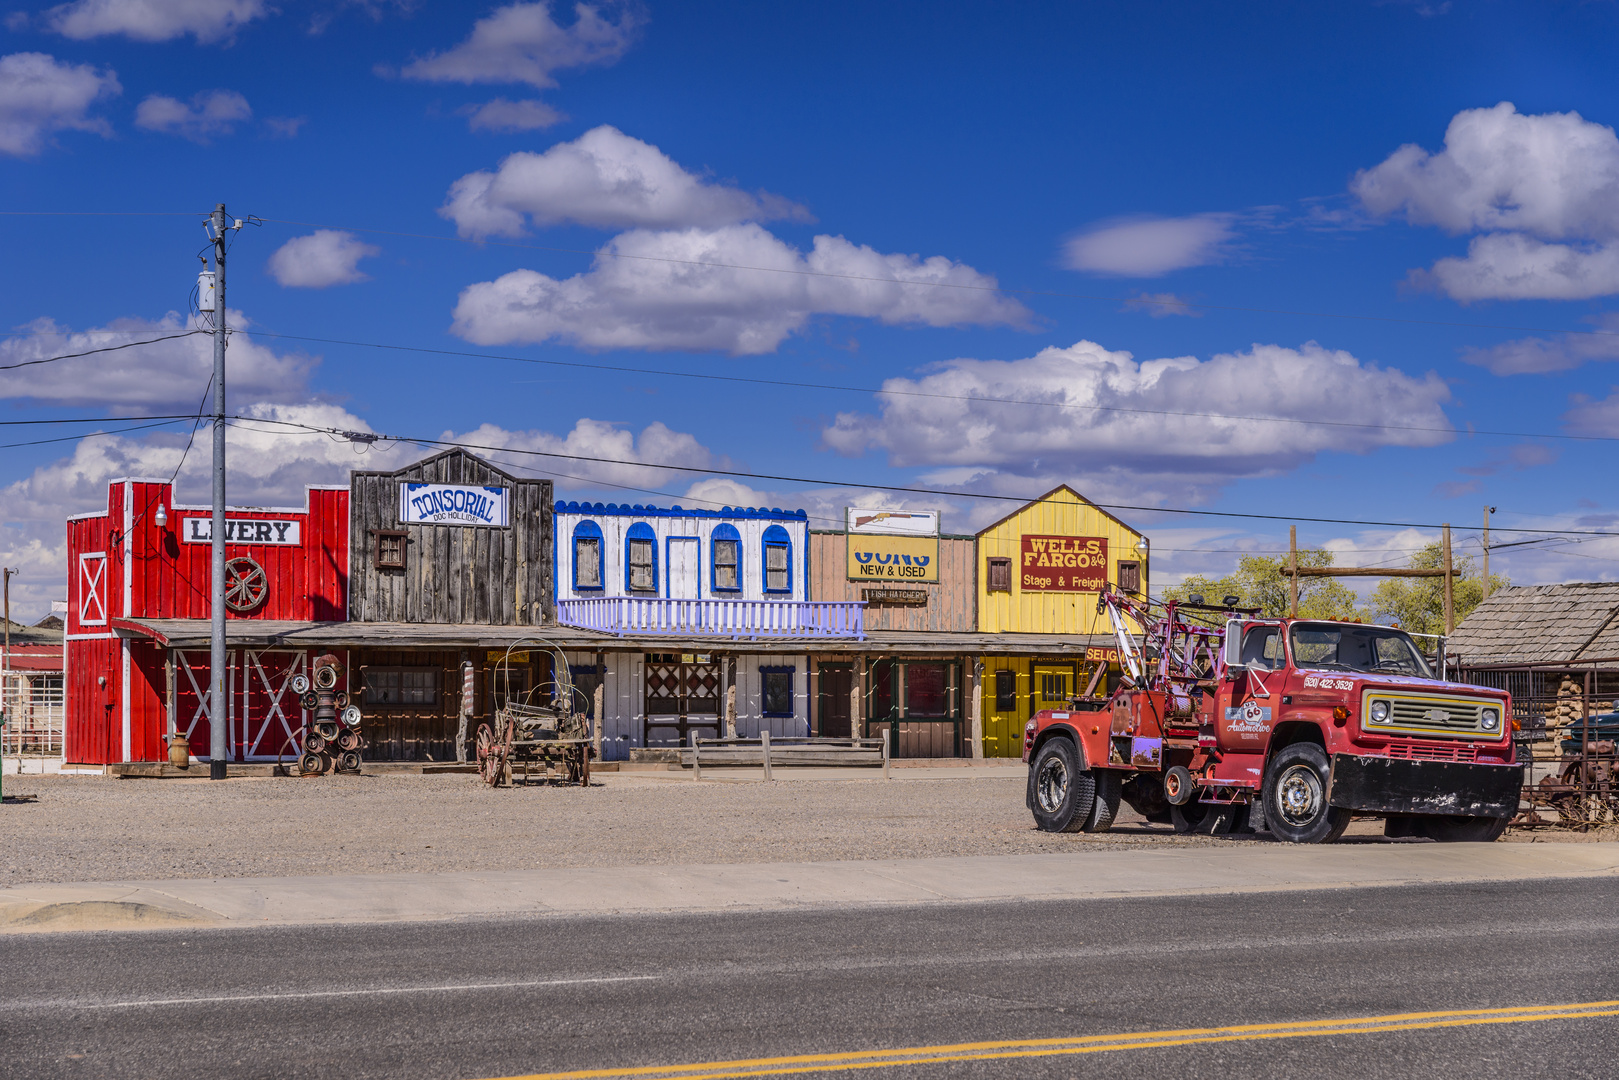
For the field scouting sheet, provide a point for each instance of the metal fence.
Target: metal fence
(35, 715)
(1555, 710)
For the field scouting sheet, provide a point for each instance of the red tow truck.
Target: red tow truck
(1225, 721)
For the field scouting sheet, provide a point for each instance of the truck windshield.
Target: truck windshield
(1337, 647)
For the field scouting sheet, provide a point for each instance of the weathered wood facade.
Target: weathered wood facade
(464, 574)
(951, 605)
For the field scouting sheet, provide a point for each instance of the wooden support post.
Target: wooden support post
(977, 707)
(764, 742)
(855, 729)
(696, 757)
(1293, 570)
(1450, 586)
(596, 715)
(169, 722)
(886, 774)
(730, 708)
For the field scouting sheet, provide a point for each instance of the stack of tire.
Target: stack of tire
(332, 740)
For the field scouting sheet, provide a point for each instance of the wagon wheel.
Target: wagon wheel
(246, 585)
(486, 747)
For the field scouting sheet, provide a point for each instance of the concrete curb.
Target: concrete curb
(229, 902)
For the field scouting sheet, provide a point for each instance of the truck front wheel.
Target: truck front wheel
(1296, 807)
(1062, 794)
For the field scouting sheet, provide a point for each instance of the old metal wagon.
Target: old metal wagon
(553, 739)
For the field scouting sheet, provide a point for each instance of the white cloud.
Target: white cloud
(325, 257)
(599, 444)
(1542, 356)
(606, 179)
(521, 43)
(503, 115)
(661, 296)
(1590, 416)
(146, 378)
(1119, 441)
(1542, 190)
(1150, 246)
(40, 95)
(210, 113)
(154, 20)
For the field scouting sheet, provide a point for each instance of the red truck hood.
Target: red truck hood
(1357, 681)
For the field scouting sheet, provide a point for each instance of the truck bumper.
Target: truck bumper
(1396, 786)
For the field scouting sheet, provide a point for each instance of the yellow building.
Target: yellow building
(1040, 571)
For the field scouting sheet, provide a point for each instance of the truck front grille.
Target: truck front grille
(1433, 751)
(1433, 715)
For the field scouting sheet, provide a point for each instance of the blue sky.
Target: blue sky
(437, 176)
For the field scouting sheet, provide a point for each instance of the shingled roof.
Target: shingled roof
(1541, 624)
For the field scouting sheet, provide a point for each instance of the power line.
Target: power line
(623, 369)
(100, 419)
(448, 443)
(91, 435)
(1052, 293)
(91, 352)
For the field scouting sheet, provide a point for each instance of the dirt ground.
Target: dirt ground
(101, 829)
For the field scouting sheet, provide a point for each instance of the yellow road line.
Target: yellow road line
(1092, 1044)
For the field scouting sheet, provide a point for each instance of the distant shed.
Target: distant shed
(1575, 624)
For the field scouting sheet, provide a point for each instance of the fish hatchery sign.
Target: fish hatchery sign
(893, 546)
(453, 504)
(1063, 563)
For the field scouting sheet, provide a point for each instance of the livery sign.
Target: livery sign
(1063, 563)
(453, 504)
(200, 530)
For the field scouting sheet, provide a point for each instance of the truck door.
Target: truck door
(1245, 707)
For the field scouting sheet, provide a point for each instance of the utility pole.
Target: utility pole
(1450, 592)
(217, 707)
(5, 671)
(1293, 571)
(1488, 510)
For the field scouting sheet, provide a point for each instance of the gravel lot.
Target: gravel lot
(99, 829)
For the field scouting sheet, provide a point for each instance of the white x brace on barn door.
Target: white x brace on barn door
(93, 588)
(259, 701)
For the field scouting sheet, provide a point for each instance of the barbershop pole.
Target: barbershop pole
(218, 708)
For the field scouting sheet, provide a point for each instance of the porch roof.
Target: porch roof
(194, 634)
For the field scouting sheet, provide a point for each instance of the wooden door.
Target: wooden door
(1053, 686)
(837, 680)
(683, 568)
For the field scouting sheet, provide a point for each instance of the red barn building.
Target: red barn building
(125, 570)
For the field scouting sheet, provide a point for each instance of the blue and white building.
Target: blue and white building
(711, 606)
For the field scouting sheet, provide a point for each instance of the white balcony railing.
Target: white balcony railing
(716, 618)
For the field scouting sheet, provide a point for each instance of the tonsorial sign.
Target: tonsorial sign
(452, 504)
(200, 530)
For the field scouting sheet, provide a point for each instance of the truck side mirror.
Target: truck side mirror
(1233, 644)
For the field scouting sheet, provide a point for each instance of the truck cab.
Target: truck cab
(1290, 725)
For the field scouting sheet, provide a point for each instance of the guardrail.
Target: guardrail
(623, 615)
(786, 750)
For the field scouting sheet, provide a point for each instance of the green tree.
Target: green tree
(1262, 581)
(1418, 604)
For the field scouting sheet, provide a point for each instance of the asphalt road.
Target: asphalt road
(510, 998)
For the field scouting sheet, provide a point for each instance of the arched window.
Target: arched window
(641, 559)
(778, 560)
(726, 560)
(588, 571)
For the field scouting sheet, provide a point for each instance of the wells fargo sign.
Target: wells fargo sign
(1063, 563)
(893, 558)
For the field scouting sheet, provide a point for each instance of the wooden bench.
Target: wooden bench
(790, 750)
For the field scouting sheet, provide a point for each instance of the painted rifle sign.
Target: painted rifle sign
(892, 522)
(452, 504)
(893, 545)
(200, 530)
(1063, 563)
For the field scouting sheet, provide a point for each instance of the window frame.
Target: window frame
(1009, 676)
(724, 533)
(775, 537)
(402, 669)
(382, 561)
(789, 670)
(1133, 566)
(589, 530)
(992, 564)
(638, 533)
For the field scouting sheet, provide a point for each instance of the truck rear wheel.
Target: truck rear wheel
(1061, 794)
(1296, 807)
(1109, 792)
(1463, 830)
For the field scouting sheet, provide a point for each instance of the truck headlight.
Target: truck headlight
(1489, 720)
(1379, 712)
